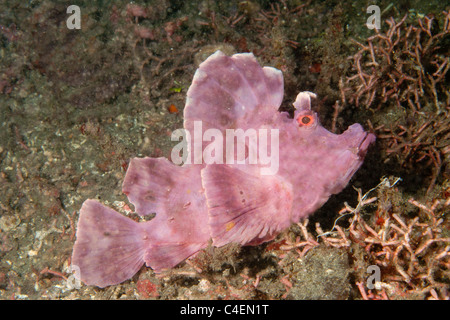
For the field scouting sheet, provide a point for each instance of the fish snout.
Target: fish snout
(358, 140)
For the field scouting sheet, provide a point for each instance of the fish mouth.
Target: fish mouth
(364, 144)
(358, 140)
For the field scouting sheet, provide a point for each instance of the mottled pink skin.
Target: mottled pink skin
(228, 203)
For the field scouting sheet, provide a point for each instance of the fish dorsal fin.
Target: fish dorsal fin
(230, 92)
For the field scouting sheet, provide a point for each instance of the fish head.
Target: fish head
(324, 161)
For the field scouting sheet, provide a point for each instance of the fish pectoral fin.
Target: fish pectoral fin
(244, 208)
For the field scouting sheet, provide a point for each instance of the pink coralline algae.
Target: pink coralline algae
(236, 198)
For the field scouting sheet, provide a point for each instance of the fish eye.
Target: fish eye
(305, 120)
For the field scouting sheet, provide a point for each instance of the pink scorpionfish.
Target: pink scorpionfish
(243, 196)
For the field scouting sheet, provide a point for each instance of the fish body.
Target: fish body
(284, 169)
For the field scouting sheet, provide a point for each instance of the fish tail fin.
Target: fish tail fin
(109, 248)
